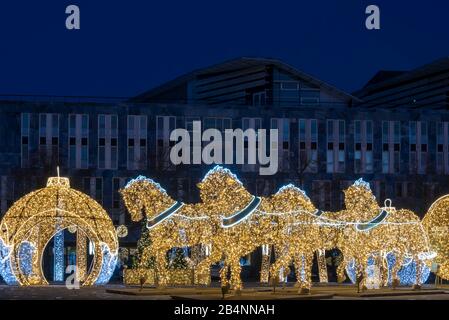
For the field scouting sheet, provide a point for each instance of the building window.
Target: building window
(310, 96)
(391, 146)
(137, 142)
(418, 146)
(363, 146)
(308, 145)
(343, 186)
(283, 143)
(289, 85)
(442, 162)
(49, 139)
(195, 148)
(221, 124)
(262, 187)
(78, 141)
(183, 189)
(164, 126)
(6, 193)
(254, 124)
(379, 190)
(93, 186)
(321, 193)
(25, 140)
(107, 141)
(118, 208)
(259, 98)
(404, 190)
(336, 146)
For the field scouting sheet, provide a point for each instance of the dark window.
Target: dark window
(341, 146)
(413, 147)
(43, 140)
(54, 141)
(285, 145)
(424, 148)
(84, 141)
(398, 190)
(385, 147)
(396, 147)
(114, 142)
(358, 146)
(160, 143)
(24, 140)
(313, 146)
(440, 148)
(369, 147)
(130, 142)
(330, 146)
(143, 142)
(72, 141)
(102, 142)
(302, 145)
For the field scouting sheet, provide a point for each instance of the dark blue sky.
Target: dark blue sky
(125, 47)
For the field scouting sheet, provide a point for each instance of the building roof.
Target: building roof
(382, 76)
(236, 64)
(396, 78)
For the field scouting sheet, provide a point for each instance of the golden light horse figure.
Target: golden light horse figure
(293, 231)
(171, 224)
(230, 208)
(367, 231)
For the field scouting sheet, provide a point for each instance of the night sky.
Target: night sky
(126, 47)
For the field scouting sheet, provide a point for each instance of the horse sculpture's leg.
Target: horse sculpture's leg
(360, 267)
(283, 259)
(394, 271)
(419, 270)
(265, 265)
(341, 276)
(236, 282)
(161, 269)
(303, 267)
(224, 273)
(202, 273)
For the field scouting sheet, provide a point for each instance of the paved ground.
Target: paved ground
(336, 292)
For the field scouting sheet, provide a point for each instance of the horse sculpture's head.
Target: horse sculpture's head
(360, 201)
(290, 198)
(222, 192)
(143, 195)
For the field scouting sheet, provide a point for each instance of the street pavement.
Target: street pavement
(335, 292)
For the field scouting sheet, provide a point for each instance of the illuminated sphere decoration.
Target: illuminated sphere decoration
(33, 220)
(122, 231)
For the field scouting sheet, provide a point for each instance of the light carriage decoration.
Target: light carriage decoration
(230, 223)
(30, 224)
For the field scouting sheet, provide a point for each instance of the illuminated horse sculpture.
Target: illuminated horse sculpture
(172, 224)
(367, 233)
(293, 231)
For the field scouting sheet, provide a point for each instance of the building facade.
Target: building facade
(394, 133)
